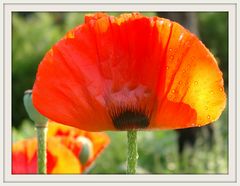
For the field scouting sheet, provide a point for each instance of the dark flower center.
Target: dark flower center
(129, 118)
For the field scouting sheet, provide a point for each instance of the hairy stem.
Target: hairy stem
(132, 152)
(42, 148)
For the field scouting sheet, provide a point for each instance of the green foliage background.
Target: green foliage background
(35, 33)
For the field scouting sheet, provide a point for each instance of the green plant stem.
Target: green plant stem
(132, 152)
(42, 148)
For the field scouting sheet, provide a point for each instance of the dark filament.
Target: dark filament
(128, 118)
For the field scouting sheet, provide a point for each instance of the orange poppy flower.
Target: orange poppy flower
(129, 72)
(65, 146)
(98, 140)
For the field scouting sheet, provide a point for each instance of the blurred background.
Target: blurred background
(196, 150)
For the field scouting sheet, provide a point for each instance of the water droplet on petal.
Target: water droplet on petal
(208, 117)
(179, 82)
(173, 91)
(221, 89)
(195, 82)
(211, 92)
(171, 57)
(180, 38)
(175, 99)
(170, 49)
(167, 67)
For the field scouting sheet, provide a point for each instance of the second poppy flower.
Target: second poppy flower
(66, 151)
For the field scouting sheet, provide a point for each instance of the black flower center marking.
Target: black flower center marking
(129, 118)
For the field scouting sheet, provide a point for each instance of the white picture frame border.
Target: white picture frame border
(14, 6)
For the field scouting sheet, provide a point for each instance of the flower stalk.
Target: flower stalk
(132, 152)
(42, 148)
(41, 127)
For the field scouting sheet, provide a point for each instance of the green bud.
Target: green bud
(87, 149)
(32, 112)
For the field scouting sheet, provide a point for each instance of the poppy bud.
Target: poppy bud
(32, 112)
(86, 151)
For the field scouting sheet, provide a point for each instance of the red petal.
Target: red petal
(24, 157)
(132, 61)
(59, 158)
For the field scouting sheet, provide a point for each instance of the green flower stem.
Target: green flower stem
(42, 148)
(132, 152)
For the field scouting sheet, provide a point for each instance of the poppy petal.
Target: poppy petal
(99, 140)
(24, 157)
(66, 163)
(111, 73)
(62, 97)
(194, 93)
(59, 158)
